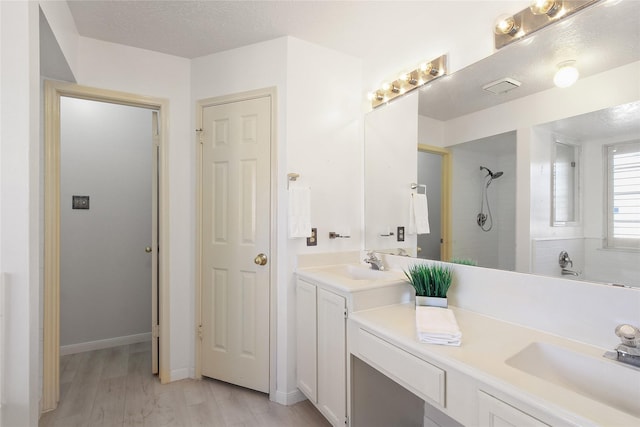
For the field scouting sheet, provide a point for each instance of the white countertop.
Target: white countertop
(486, 345)
(336, 277)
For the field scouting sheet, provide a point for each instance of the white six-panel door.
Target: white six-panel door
(235, 217)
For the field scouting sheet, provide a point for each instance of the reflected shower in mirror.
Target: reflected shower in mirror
(491, 244)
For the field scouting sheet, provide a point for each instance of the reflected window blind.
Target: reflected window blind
(623, 176)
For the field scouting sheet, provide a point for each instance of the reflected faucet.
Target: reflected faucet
(374, 261)
(563, 260)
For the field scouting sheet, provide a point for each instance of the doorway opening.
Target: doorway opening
(434, 171)
(57, 93)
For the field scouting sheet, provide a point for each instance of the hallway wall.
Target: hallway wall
(105, 274)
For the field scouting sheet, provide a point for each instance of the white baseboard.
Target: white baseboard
(100, 344)
(289, 398)
(179, 374)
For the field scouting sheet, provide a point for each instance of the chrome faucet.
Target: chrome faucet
(629, 350)
(565, 260)
(374, 261)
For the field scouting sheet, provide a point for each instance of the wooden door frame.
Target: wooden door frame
(271, 93)
(53, 91)
(445, 202)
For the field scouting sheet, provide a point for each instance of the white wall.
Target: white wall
(19, 208)
(105, 274)
(318, 136)
(391, 162)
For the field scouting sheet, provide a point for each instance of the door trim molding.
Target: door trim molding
(445, 202)
(271, 93)
(53, 90)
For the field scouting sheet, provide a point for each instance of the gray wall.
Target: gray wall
(430, 174)
(106, 153)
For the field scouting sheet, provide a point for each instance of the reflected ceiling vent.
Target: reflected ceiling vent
(502, 85)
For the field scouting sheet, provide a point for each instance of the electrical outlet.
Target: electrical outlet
(400, 234)
(313, 240)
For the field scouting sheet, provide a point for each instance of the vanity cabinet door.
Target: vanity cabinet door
(332, 356)
(493, 412)
(306, 339)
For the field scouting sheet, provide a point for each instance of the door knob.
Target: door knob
(261, 259)
(148, 249)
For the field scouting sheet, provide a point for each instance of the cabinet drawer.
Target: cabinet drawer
(416, 375)
(493, 412)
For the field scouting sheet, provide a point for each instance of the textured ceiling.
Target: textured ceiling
(387, 35)
(360, 28)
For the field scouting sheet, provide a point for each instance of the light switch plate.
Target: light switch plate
(313, 240)
(80, 202)
(400, 234)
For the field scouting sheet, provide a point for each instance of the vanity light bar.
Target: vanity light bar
(409, 81)
(509, 28)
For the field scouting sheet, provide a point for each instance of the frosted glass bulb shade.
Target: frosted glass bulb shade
(566, 75)
(505, 24)
(545, 7)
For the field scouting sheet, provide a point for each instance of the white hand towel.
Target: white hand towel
(420, 213)
(299, 211)
(436, 325)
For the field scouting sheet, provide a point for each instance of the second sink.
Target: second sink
(600, 379)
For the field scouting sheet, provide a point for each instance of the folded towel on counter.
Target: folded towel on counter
(299, 211)
(436, 325)
(418, 214)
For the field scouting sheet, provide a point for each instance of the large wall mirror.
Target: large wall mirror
(490, 157)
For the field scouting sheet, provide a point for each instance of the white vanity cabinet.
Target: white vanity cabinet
(493, 412)
(321, 349)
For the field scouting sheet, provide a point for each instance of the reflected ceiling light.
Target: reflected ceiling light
(566, 75)
(409, 80)
(539, 14)
(506, 25)
(546, 7)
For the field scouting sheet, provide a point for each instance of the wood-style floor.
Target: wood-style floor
(115, 387)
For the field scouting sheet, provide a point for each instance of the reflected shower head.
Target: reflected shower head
(491, 174)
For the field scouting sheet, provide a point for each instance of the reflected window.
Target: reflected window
(623, 195)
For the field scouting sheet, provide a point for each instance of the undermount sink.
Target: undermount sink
(601, 379)
(362, 272)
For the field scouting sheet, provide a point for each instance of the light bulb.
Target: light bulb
(426, 67)
(403, 77)
(506, 24)
(545, 7)
(386, 86)
(566, 75)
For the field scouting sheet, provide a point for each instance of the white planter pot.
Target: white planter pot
(431, 301)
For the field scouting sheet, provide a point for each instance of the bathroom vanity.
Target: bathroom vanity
(360, 362)
(325, 297)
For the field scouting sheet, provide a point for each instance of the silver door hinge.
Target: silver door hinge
(346, 315)
(346, 421)
(200, 332)
(200, 131)
(155, 331)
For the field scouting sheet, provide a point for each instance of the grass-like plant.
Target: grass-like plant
(464, 261)
(430, 280)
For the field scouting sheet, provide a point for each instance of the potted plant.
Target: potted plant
(431, 282)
